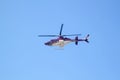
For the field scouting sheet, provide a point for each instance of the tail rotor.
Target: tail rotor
(86, 39)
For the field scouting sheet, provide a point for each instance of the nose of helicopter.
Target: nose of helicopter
(47, 43)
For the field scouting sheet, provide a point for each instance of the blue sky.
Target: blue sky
(23, 55)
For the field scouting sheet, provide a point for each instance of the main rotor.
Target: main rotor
(60, 34)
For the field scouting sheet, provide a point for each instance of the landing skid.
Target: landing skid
(59, 48)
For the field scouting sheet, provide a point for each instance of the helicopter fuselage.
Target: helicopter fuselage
(61, 41)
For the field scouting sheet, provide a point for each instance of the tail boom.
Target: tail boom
(77, 40)
(86, 39)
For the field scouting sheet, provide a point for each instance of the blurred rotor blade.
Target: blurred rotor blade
(61, 29)
(72, 35)
(48, 35)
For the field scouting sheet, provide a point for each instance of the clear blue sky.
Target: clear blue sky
(23, 55)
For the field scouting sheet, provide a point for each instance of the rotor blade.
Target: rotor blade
(48, 35)
(61, 29)
(72, 35)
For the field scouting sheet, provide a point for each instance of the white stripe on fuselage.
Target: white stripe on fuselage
(61, 43)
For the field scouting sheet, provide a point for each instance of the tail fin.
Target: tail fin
(86, 39)
(76, 40)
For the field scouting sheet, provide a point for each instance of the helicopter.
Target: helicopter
(62, 40)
